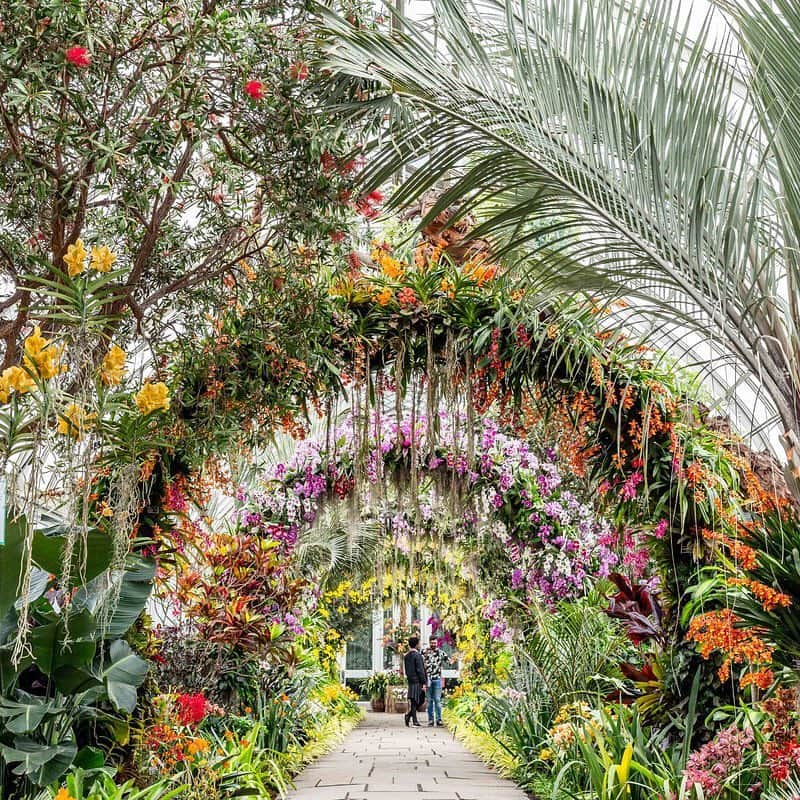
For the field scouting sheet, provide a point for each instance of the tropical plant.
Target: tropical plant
(74, 674)
(334, 549)
(83, 784)
(375, 686)
(570, 654)
(155, 132)
(616, 149)
(787, 791)
(616, 756)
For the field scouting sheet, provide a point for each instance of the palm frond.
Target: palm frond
(608, 151)
(335, 549)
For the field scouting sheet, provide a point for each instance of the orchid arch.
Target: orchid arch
(512, 518)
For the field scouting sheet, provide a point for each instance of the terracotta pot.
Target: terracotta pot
(401, 707)
(378, 704)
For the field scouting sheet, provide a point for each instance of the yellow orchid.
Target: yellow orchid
(74, 421)
(102, 259)
(14, 379)
(75, 259)
(41, 356)
(152, 397)
(113, 369)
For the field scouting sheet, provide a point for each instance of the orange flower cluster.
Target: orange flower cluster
(744, 555)
(479, 271)
(769, 598)
(720, 630)
(762, 678)
(695, 473)
(627, 397)
(427, 253)
(169, 746)
(655, 423)
(291, 426)
(598, 376)
(485, 390)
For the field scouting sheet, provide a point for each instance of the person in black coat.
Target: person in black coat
(415, 675)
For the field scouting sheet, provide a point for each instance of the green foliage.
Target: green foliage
(777, 546)
(88, 785)
(89, 676)
(570, 654)
(375, 685)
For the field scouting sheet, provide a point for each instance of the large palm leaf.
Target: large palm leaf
(610, 152)
(337, 548)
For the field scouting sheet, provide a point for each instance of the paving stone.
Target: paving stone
(384, 760)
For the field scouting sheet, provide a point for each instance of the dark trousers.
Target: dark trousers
(414, 696)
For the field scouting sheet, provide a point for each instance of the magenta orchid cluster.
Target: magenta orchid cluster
(556, 544)
(717, 760)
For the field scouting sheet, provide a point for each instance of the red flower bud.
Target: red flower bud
(78, 56)
(255, 90)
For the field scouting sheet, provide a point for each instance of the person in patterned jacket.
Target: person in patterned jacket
(434, 659)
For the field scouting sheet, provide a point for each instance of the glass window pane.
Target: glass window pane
(359, 650)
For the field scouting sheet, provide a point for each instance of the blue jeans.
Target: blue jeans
(435, 699)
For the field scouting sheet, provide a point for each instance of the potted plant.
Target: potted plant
(375, 687)
(400, 697)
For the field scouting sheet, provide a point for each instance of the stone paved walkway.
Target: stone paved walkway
(383, 760)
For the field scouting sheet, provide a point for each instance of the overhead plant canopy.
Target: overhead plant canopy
(614, 148)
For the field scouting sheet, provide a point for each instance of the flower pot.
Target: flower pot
(378, 704)
(401, 706)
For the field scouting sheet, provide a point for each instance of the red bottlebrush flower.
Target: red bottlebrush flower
(354, 260)
(328, 161)
(78, 56)
(298, 71)
(191, 708)
(337, 237)
(367, 206)
(255, 90)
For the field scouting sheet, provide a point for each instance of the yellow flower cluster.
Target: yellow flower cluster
(14, 379)
(197, 745)
(112, 370)
(102, 259)
(345, 590)
(74, 421)
(152, 397)
(330, 693)
(42, 357)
